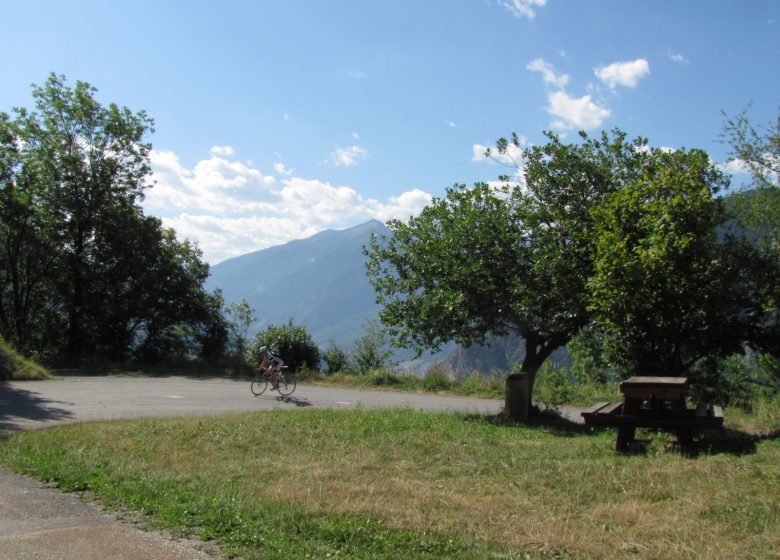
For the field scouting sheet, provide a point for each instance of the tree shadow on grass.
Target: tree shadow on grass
(727, 441)
(19, 405)
(548, 418)
(731, 442)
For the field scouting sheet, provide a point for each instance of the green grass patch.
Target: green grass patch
(15, 366)
(407, 484)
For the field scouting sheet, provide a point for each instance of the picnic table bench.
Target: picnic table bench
(654, 402)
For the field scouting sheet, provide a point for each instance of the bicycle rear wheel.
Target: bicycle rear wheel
(286, 384)
(259, 384)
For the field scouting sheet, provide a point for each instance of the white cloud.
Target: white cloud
(230, 208)
(282, 170)
(576, 112)
(625, 74)
(522, 8)
(451, 124)
(546, 70)
(222, 150)
(348, 156)
(735, 166)
(676, 57)
(355, 136)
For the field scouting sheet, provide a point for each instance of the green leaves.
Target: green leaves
(512, 258)
(665, 289)
(291, 342)
(84, 271)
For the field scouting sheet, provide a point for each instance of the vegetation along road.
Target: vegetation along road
(34, 404)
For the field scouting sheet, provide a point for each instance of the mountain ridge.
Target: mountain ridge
(318, 282)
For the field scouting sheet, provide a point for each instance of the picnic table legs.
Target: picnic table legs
(625, 435)
(684, 437)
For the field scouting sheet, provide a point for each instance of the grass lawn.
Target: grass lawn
(407, 484)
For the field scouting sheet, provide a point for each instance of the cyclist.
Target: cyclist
(274, 362)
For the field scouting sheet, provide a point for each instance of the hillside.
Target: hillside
(319, 282)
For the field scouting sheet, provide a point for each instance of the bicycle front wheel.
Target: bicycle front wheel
(286, 384)
(259, 385)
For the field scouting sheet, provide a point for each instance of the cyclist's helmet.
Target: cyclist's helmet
(263, 349)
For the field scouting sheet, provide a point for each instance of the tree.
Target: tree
(240, 319)
(84, 271)
(292, 342)
(758, 210)
(669, 289)
(370, 351)
(335, 358)
(89, 159)
(507, 259)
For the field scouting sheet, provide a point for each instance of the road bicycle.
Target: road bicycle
(285, 382)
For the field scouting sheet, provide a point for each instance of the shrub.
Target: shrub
(437, 378)
(554, 387)
(292, 343)
(370, 351)
(335, 358)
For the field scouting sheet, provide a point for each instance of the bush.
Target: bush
(735, 381)
(553, 386)
(370, 351)
(437, 378)
(477, 384)
(292, 343)
(386, 378)
(335, 358)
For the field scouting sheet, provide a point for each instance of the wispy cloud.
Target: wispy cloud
(231, 208)
(522, 8)
(347, 157)
(282, 170)
(222, 150)
(548, 73)
(625, 74)
(676, 57)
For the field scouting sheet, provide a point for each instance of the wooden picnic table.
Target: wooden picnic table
(653, 402)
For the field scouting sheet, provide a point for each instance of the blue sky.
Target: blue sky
(276, 120)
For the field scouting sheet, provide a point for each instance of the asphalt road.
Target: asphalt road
(26, 405)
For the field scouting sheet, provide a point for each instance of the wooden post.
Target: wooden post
(518, 397)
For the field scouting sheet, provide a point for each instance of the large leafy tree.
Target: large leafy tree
(504, 259)
(669, 287)
(84, 270)
(91, 163)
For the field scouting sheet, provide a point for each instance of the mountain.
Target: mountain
(318, 282)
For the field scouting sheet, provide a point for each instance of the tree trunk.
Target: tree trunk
(519, 387)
